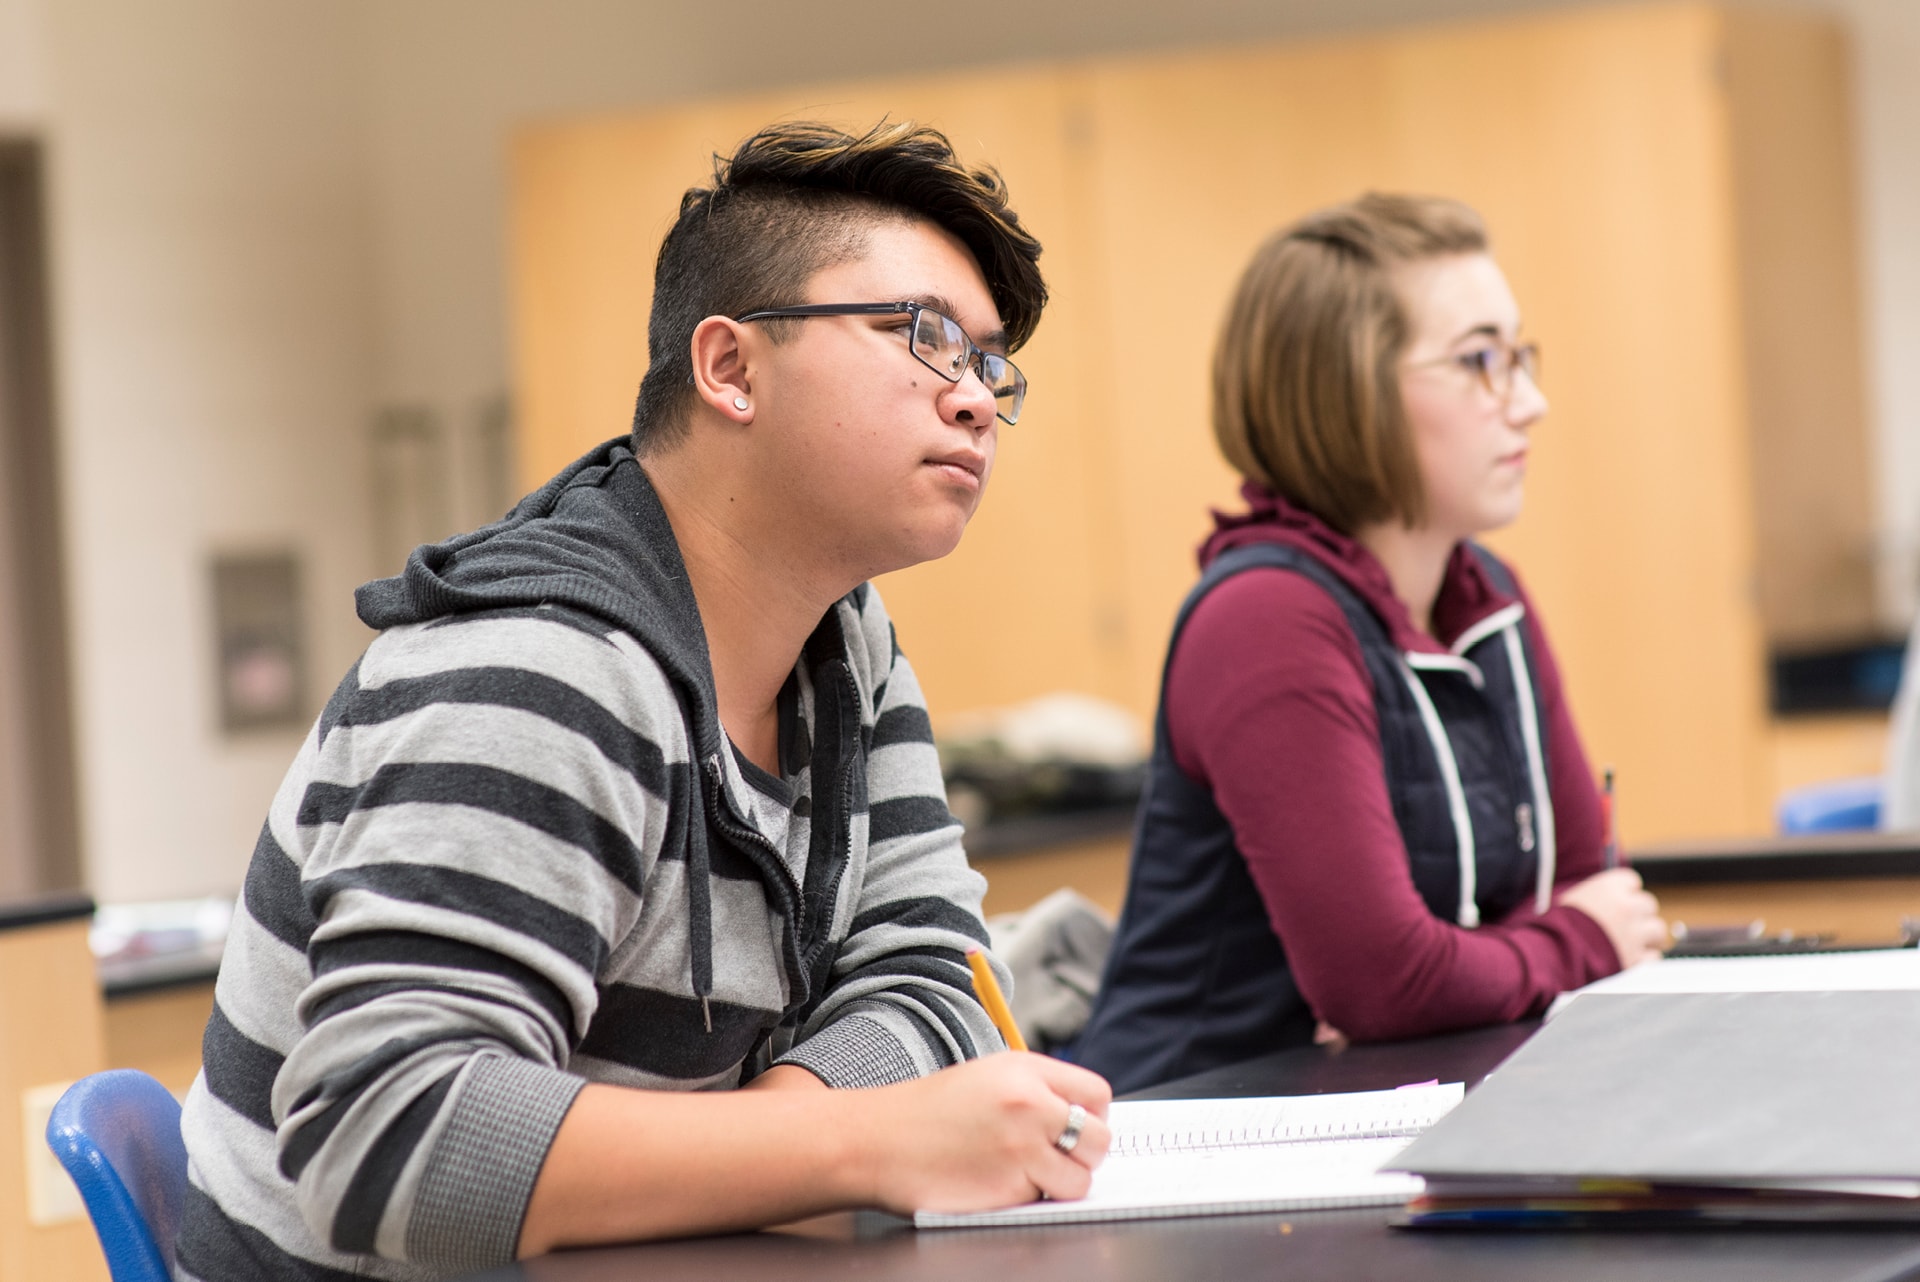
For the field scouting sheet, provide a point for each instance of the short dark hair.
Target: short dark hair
(799, 197)
(1306, 384)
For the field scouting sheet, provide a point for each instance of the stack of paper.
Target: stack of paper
(1666, 1108)
(1877, 969)
(1225, 1156)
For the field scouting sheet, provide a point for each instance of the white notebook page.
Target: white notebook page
(1225, 1156)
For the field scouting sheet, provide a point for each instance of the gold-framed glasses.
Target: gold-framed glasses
(1494, 363)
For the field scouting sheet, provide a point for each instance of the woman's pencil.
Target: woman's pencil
(1611, 850)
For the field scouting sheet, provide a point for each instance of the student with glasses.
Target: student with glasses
(633, 800)
(1368, 813)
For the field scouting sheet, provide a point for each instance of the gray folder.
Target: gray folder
(1697, 1088)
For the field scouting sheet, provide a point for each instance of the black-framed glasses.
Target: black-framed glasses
(1494, 365)
(936, 341)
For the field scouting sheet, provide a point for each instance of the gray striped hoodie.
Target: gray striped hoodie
(517, 853)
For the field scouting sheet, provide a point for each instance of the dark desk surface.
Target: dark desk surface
(1818, 856)
(46, 910)
(1306, 1245)
(1034, 834)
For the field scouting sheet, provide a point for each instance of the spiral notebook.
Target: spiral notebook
(1233, 1156)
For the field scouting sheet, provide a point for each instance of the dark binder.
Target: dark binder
(1760, 1105)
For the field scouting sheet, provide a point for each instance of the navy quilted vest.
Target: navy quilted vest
(1197, 978)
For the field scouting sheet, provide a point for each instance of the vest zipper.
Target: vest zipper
(1468, 913)
(1532, 735)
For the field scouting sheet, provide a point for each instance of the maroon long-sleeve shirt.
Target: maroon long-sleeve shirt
(1269, 705)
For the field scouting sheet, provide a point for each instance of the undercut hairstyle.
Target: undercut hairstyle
(1306, 388)
(797, 198)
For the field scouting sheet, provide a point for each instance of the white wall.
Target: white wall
(211, 261)
(23, 58)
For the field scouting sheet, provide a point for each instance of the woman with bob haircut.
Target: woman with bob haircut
(1368, 813)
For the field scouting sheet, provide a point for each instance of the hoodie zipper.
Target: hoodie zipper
(839, 679)
(751, 838)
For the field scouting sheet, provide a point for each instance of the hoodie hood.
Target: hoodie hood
(595, 538)
(1467, 594)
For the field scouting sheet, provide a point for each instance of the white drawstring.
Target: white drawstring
(1505, 617)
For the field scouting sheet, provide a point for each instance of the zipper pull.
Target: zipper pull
(1523, 815)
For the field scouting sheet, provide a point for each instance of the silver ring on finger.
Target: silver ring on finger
(1070, 1137)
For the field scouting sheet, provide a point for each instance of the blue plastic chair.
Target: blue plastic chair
(118, 1135)
(1844, 805)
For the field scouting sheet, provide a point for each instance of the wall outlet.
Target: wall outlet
(51, 1197)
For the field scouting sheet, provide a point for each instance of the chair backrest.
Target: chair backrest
(118, 1135)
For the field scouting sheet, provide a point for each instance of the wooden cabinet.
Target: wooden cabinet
(1667, 187)
(50, 1036)
(159, 1031)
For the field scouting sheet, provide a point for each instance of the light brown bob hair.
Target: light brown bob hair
(1306, 393)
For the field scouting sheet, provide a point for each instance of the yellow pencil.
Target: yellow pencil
(987, 989)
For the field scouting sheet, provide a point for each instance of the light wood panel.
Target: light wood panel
(1787, 83)
(50, 1034)
(591, 203)
(1097, 869)
(1602, 148)
(159, 1033)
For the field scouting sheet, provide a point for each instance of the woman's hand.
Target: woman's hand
(1629, 914)
(1325, 1034)
(981, 1135)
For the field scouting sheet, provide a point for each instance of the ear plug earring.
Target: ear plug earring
(739, 402)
